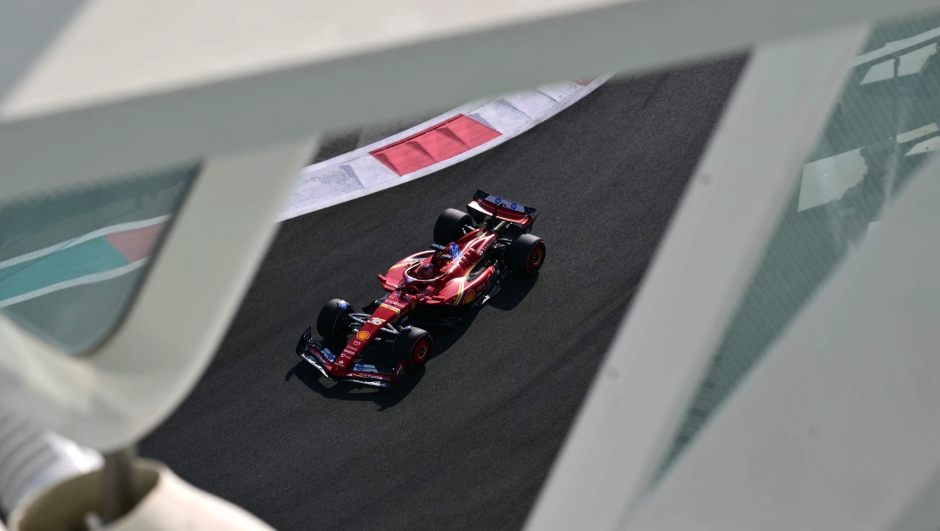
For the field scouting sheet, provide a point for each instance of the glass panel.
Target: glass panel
(883, 128)
(71, 262)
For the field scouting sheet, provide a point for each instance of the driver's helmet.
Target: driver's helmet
(424, 272)
(454, 251)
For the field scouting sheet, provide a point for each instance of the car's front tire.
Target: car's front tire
(414, 345)
(333, 321)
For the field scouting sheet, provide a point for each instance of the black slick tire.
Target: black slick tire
(449, 226)
(333, 322)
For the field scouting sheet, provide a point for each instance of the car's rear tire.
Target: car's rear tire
(449, 226)
(414, 345)
(526, 254)
(333, 321)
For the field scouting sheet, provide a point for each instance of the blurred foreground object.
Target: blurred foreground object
(168, 503)
(32, 458)
(235, 89)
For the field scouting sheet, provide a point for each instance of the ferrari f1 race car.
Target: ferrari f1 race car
(473, 253)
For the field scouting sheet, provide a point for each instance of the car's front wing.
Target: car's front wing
(362, 373)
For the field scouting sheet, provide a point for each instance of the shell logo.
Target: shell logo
(362, 335)
(468, 298)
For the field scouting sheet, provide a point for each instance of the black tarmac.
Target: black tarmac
(467, 442)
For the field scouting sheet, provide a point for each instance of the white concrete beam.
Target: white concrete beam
(27, 29)
(125, 91)
(837, 427)
(690, 292)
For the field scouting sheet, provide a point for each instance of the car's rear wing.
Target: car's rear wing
(501, 208)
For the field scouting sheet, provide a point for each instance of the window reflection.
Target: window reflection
(70, 262)
(883, 129)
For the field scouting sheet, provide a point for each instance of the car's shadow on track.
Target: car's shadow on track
(384, 398)
(513, 292)
(444, 338)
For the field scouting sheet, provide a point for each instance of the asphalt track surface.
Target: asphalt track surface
(467, 442)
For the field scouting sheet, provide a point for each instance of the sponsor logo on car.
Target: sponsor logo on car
(500, 202)
(363, 335)
(327, 354)
(468, 298)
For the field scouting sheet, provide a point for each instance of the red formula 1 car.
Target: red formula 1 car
(472, 255)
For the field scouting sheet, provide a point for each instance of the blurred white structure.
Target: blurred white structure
(32, 457)
(834, 429)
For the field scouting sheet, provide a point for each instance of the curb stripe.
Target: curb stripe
(376, 167)
(435, 144)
